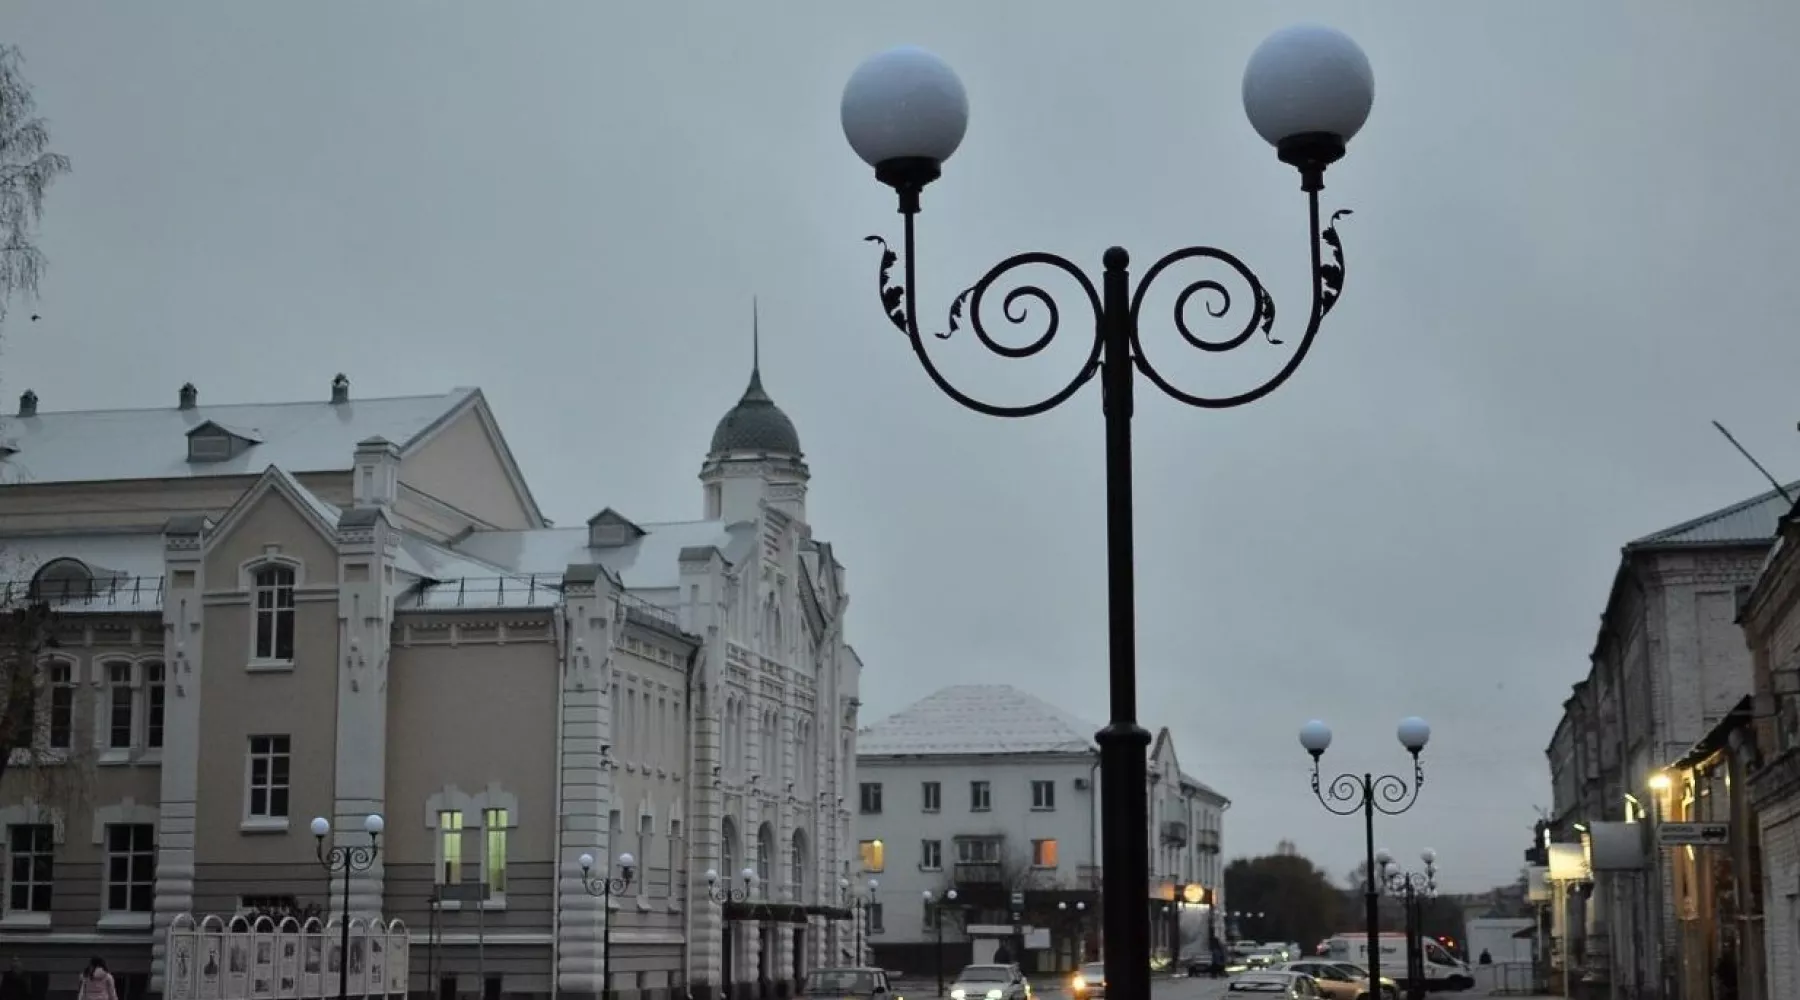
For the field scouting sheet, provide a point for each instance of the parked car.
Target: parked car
(1390, 989)
(990, 982)
(1335, 981)
(848, 984)
(1265, 956)
(1273, 986)
(1089, 981)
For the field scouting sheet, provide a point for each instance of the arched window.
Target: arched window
(274, 591)
(728, 849)
(798, 865)
(765, 852)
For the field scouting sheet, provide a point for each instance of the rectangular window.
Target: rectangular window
(871, 798)
(31, 867)
(450, 847)
(153, 705)
(874, 918)
(980, 797)
(130, 868)
(60, 726)
(1043, 795)
(120, 695)
(978, 851)
(1043, 854)
(931, 794)
(275, 614)
(874, 856)
(268, 779)
(493, 841)
(931, 855)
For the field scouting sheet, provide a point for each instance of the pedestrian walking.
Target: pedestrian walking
(14, 984)
(96, 982)
(1486, 959)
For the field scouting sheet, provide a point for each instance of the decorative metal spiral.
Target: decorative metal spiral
(1348, 794)
(1024, 305)
(1410, 883)
(723, 893)
(348, 858)
(604, 886)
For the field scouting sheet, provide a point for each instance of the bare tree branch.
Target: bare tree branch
(27, 169)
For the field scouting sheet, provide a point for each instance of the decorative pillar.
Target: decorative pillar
(184, 580)
(592, 622)
(367, 545)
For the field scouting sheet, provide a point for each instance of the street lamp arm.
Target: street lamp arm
(606, 886)
(1216, 298)
(901, 304)
(348, 858)
(1345, 796)
(722, 894)
(1393, 795)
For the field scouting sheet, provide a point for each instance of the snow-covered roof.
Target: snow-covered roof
(649, 562)
(447, 579)
(97, 445)
(977, 719)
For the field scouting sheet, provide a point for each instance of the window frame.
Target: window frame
(133, 857)
(875, 848)
(505, 814)
(61, 679)
(273, 660)
(867, 792)
(267, 821)
(928, 848)
(1037, 853)
(145, 690)
(931, 796)
(1046, 801)
(30, 917)
(449, 821)
(981, 796)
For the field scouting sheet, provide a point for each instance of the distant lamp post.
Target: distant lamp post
(1349, 794)
(859, 904)
(1307, 90)
(346, 859)
(724, 894)
(1079, 913)
(605, 887)
(938, 906)
(1413, 888)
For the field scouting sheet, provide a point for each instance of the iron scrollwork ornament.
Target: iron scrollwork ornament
(1024, 301)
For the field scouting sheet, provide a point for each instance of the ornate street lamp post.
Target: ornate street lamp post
(605, 887)
(1080, 915)
(1413, 888)
(724, 894)
(1307, 90)
(938, 906)
(859, 903)
(345, 859)
(1368, 794)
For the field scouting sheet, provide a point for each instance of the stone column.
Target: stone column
(366, 544)
(592, 622)
(184, 580)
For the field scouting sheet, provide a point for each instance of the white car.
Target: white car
(990, 982)
(1273, 986)
(1265, 956)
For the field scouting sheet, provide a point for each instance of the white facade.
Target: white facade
(985, 784)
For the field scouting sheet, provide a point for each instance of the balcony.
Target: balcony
(1174, 833)
(976, 873)
(1207, 841)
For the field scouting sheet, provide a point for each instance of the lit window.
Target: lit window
(31, 867)
(275, 614)
(493, 839)
(268, 777)
(450, 847)
(130, 868)
(1043, 854)
(874, 856)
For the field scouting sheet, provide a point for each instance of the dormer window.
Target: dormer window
(62, 580)
(610, 530)
(215, 442)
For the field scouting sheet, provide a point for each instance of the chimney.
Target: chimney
(377, 480)
(28, 404)
(340, 389)
(190, 396)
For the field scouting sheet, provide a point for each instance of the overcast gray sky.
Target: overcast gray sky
(1571, 250)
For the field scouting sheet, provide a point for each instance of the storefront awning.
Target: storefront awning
(1716, 739)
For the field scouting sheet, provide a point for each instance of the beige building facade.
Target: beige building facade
(344, 607)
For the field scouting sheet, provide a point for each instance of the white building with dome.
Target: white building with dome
(351, 606)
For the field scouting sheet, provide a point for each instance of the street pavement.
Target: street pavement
(1162, 988)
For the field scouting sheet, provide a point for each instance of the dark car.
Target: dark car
(1089, 981)
(848, 984)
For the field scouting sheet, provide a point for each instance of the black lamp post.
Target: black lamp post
(1307, 90)
(1413, 888)
(858, 903)
(724, 894)
(1079, 913)
(606, 887)
(938, 906)
(346, 859)
(1368, 794)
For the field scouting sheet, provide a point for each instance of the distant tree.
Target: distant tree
(1295, 897)
(27, 169)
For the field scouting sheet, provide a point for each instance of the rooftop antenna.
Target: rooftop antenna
(755, 337)
(1752, 460)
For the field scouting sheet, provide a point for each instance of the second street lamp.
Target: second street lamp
(859, 904)
(1412, 888)
(938, 906)
(347, 859)
(606, 887)
(1307, 90)
(1349, 794)
(724, 894)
